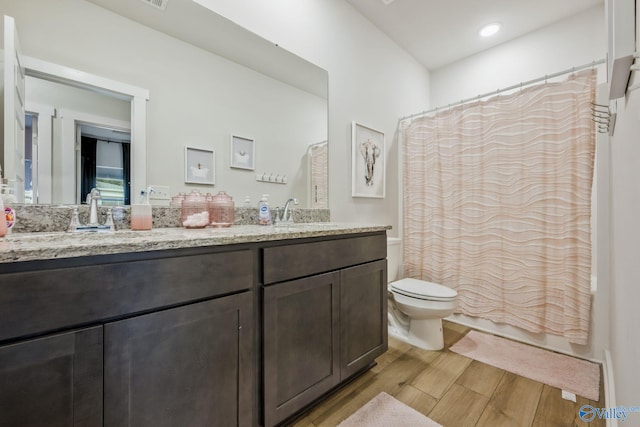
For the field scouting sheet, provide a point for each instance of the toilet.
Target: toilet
(416, 307)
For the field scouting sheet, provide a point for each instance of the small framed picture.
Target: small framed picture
(367, 162)
(243, 153)
(199, 166)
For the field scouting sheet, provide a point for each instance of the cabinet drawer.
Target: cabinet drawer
(304, 259)
(37, 301)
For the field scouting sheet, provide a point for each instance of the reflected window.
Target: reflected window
(105, 165)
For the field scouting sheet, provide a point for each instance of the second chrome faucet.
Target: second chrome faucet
(287, 213)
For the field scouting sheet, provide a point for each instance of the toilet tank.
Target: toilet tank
(394, 257)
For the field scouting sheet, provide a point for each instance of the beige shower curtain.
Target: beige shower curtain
(497, 204)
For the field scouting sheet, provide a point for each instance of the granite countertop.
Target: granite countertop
(39, 246)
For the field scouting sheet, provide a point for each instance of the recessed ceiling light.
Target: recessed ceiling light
(489, 30)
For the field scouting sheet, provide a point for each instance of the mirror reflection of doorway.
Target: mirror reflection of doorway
(105, 164)
(30, 158)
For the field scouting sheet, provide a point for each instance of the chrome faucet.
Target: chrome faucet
(287, 215)
(93, 225)
(92, 200)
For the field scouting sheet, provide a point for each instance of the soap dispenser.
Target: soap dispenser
(264, 214)
(141, 214)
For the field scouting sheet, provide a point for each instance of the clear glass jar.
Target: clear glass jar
(195, 213)
(222, 211)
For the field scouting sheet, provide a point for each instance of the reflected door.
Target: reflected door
(14, 114)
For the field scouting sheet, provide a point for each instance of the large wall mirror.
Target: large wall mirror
(207, 80)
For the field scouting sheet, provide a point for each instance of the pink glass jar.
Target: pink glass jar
(222, 211)
(176, 201)
(3, 219)
(195, 213)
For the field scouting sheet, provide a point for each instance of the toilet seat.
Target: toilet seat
(421, 289)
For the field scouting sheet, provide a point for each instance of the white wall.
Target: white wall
(574, 41)
(196, 98)
(625, 251)
(2, 106)
(57, 95)
(371, 81)
(625, 246)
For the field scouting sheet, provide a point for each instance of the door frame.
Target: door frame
(42, 149)
(137, 96)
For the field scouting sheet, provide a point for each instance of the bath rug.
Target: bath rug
(568, 373)
(385, 411)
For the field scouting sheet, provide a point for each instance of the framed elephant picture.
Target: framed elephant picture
(367, 162)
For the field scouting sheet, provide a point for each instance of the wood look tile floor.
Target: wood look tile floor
(453, 390)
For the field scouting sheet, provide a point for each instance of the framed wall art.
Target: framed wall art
(199, 166)
(367, 162)
(243, 153)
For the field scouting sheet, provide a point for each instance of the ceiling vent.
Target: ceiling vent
(158, 4)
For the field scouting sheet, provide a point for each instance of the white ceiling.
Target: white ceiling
(439, 32)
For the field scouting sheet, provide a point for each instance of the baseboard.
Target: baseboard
(609, 387)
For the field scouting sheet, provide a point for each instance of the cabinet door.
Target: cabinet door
(301, 358)
(187, 366)
(52, 381)
(363, 316)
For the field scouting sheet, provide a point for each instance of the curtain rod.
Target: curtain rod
(496, 92)
(99, 138)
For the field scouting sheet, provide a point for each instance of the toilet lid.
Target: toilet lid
(423, 290)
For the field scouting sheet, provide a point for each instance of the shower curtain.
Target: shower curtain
(497, 205)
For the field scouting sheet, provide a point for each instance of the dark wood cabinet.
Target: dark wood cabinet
(172, 342)
(53, 381)
(363, 316)
(301, 352)
(187, 366)
(230, 335)
(321, 329)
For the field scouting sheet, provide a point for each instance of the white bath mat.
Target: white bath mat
(385, 411)
(568, 373)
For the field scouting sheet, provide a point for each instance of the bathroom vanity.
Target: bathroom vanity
(243, 326)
